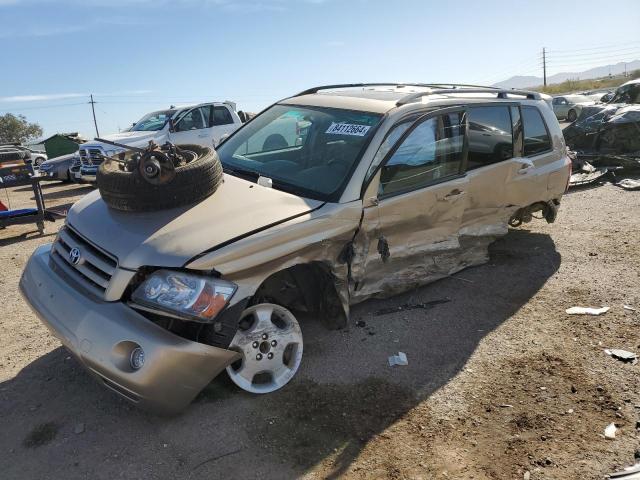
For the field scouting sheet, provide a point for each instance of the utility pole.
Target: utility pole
(544, 65)
(92, 102)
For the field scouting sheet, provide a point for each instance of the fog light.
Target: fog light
(137, 358)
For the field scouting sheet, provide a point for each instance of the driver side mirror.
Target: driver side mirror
(172, 126)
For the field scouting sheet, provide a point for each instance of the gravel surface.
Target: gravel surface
(500, 380)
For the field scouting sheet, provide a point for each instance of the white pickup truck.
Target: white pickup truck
(203, 124)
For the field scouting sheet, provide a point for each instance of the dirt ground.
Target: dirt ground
(500, 381)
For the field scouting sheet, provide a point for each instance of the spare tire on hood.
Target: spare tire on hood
(193, 182)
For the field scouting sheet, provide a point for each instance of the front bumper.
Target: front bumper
(103, 334)
(88, 174)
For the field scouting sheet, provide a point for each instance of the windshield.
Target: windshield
(152, 122)
(310, 151)
(578, 99)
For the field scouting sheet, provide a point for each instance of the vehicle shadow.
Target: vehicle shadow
(22, 236)
(44, 185)
(68, 192)
(344, 394)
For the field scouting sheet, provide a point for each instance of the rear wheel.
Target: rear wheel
(270, 342)
(572, 115)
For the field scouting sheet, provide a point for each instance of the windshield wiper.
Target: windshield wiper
(241, 172)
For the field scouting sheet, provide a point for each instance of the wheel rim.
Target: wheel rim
(270, 342)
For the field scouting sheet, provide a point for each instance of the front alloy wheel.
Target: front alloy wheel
(270, 342)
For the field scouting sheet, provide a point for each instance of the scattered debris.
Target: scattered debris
(399, 359)
(629, 184)
(630, 308)
(412, 306)
(586, 174)
(629, 473)
(586, 310)
(78, 429)
(607, 135)
(527, 475)
(622, 355)
(361, 323)
(506, 405)
(610, 431)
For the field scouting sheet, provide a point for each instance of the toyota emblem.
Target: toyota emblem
(74, 256)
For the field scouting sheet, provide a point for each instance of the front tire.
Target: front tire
(269, 340)
(572, 115)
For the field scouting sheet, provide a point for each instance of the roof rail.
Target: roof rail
(387, 84)
(353, 85)
(441, 91)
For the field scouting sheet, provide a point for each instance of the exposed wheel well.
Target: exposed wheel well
(306, 287)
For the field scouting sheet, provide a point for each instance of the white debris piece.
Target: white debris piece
(630, 308)
(610, 431)
(623, 355)
(399, 359)
(629, 184)
(586, 310)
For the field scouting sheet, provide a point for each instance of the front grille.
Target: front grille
(94, 267)
(91, 156)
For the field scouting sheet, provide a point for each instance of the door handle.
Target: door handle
(525, 168)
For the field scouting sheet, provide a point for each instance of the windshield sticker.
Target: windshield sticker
(348, 129)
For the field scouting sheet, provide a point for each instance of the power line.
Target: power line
(42, 107)
(596, 54)
(598, 47)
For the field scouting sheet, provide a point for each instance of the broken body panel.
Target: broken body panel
(609, 134)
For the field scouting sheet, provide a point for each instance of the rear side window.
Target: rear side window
(536, 135)
(430, 153)
(490, 136)
(221, 116)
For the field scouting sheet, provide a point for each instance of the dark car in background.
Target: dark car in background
(15, 165)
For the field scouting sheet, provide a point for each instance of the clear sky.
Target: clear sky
(136, 56)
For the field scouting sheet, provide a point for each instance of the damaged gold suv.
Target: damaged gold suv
(332, 196)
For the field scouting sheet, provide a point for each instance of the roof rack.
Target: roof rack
(388, 84)
(442, 91)
(354, 85)
(437, 88)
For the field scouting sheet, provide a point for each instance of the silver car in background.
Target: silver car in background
(569, 106)
(58, 168)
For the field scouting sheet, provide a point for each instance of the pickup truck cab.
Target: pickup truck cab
(203, 124)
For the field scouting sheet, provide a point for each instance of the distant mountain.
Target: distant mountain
(597, 72)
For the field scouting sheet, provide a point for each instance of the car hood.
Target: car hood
(128, 138)
(58, 160)
(170, 238)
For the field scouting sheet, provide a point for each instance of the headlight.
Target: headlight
(114, 152)
(196, 297)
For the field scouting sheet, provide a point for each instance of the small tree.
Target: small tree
(17, 129)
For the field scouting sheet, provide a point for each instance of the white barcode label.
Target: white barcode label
(348, 129)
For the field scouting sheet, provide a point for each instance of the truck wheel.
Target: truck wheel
(571, 116)
(193, 182)
(270, 342)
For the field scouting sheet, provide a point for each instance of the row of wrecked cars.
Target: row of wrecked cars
(605, 138)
